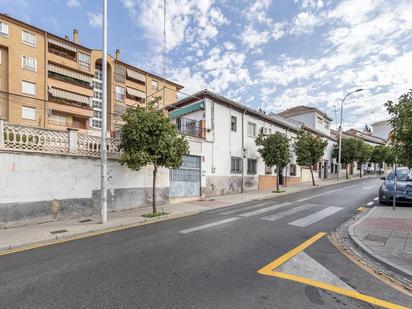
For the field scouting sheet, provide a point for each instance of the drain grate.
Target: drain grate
(58, 232)
(85, 220)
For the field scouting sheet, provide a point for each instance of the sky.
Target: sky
(269, 54)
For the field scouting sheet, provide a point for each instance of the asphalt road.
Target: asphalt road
(208, 260)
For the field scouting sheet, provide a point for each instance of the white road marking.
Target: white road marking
(240, 209)
(263, 210)
(206, 226)
(376, 198)
(368, 188)
(370, 203)
(288, 212)
(315, 217)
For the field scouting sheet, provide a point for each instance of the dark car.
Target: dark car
(403, 187)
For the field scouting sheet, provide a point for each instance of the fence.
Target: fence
(31, 139)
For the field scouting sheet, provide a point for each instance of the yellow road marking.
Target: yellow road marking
(360, 209)
(269, 270)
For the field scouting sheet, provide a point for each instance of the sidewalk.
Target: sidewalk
(386, 236)
(58, 231)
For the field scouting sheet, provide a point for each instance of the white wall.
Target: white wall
(382, 131)
(28, 177)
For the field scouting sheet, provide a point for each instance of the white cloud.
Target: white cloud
(186, 20)
(95, 19)
(252, 38)
(305, 22)
(73, 3)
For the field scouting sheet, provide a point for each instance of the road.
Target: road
(210, 260)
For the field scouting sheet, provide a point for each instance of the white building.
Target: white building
(317, 122)
(223, 155)
(381, 129)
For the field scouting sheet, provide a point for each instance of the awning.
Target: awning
(62, 44)
(58, 93)
(187, 109)
(135, 93)
(70, 73)
(136, 75)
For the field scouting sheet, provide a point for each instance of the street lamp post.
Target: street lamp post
(340, 130)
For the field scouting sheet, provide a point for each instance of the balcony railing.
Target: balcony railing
(190, 127)
(62, 54)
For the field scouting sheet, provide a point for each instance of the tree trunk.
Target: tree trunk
(313, 178)
(154, 188)
(347, 171)
(277, 181)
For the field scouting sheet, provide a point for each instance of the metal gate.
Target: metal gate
(185, 181)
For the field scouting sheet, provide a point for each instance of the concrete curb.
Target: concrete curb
(93, 232)
(375, 256)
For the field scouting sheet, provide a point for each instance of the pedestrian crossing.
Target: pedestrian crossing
(286, 211)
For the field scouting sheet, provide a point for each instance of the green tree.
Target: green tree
(379, 155)
(309, 149)
(274, 151)
(401, 121)
(348, 153)
(149, 137)
(363, 153)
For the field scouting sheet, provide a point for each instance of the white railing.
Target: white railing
(24, 138)
(17, 137)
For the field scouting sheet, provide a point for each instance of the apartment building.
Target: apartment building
(53, 82)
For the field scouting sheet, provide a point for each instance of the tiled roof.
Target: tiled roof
(302, 109)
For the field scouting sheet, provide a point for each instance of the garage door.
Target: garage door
(185, 181)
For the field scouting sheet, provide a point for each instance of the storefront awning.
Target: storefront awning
(135, 75)
(58, 93)
(70, 73)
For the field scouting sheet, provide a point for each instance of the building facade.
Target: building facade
(52, 82)
(223, 156)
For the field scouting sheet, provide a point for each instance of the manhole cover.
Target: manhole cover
(58, 232)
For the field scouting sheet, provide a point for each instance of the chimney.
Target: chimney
(117, 54)
(66, 37)
(76, 36)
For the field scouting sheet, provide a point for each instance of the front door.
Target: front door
(185, 180)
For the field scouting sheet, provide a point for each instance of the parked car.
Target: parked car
(403, 186)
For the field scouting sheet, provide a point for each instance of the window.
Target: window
(155, 85)
(84, 61)
(29, 63)
(251, 166)
(319, 120)
(251, 129)
(119, 93)
(28, 38)
(236, 165)
(268, 170)
(270, 131)
(58, 119)
(4, 29)
(28, 88)
(326, 124)
(28, 113)
(233, 124)
(292, 169)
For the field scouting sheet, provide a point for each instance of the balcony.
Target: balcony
(190, 127)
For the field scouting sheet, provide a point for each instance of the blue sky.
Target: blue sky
(269, 54)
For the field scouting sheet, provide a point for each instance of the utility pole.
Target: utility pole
(103, 149)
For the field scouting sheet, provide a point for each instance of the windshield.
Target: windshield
(402, 175)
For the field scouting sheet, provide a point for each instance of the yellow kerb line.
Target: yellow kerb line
(269, 270)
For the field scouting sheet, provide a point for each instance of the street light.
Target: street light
(340, 129)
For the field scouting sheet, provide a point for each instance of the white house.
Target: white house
(381, 129)
(223, 155)
(316, 122)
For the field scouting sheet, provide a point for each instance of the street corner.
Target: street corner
(299, 266)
